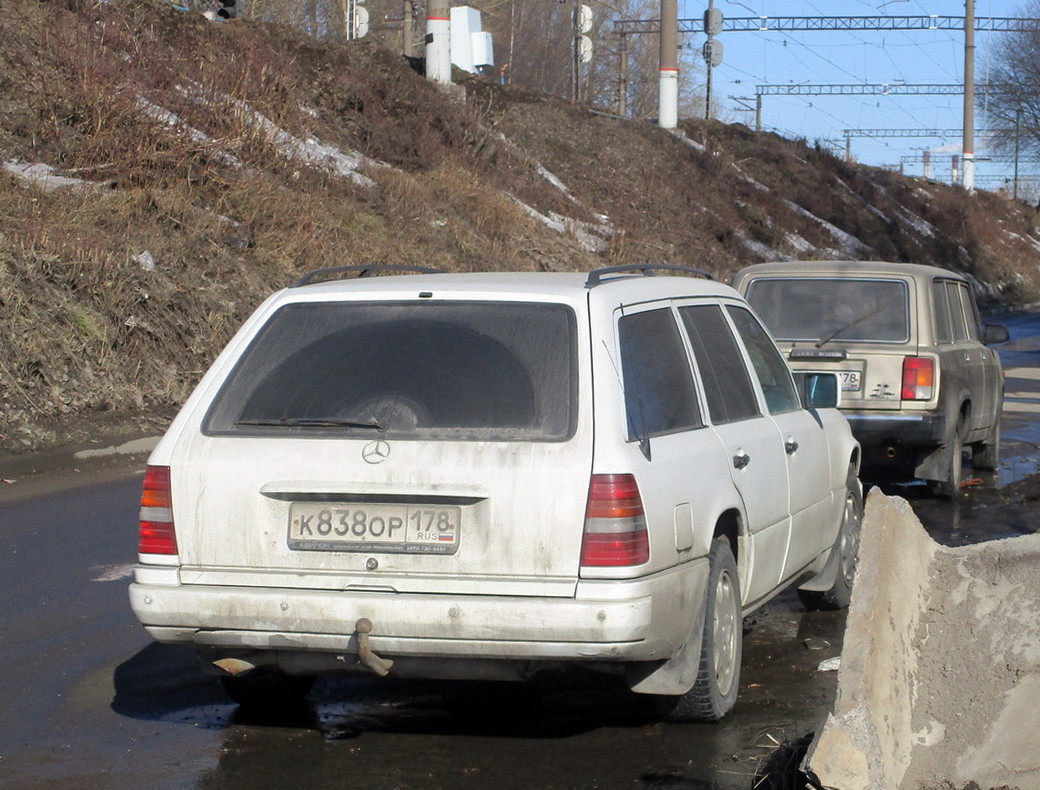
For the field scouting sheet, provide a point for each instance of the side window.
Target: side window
(957, 318)
(970, 311)
(773, 373)
(727, 384)
(659, 392)
(943, 327)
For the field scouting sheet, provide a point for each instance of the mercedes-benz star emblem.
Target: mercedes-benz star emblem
(376, 452)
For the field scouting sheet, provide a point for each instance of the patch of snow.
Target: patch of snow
(174, 121)
(310, 151)
(584, 232)
(763, 251)
(45, 177)
(921, 225)
(799, 245)
(693, 144)
(849, 245)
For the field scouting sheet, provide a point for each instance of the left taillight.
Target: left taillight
(918, 378)
(615, 523)
(157, 535)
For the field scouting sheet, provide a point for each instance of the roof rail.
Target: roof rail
(596, 276)
(340, 272)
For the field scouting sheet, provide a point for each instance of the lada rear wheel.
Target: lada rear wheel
(718, 678)
(951, 486)
(986, 454)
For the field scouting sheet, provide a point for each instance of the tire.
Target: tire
(951, 486)
(267, 689)
(985, 456)
(846, 545)
(718, 679)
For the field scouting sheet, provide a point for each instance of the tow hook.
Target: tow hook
(381, 666)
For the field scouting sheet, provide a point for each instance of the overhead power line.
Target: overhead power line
(820, 23)
(909, 132)
(883, 89)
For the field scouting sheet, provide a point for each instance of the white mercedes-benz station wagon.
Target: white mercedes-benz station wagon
(482, 476)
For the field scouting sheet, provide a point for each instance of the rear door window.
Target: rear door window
(838, 308)
(660, 396)
(958, 319)
(448, 370)
(943, 322)
(724, 375)
(773, 373)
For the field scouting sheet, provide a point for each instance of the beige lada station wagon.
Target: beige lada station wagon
(919, 381)
(483, 476)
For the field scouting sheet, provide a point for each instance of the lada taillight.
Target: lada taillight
(157, 535)
(918, 378)
(615, 526)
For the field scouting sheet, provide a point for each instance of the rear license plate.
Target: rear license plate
(851, 380)
(373, 526)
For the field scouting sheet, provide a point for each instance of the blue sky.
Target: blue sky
(847, 57)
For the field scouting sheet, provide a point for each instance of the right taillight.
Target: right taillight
(615, 526)
(157, 535)
(918, 378)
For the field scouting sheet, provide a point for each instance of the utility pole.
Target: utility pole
(438, 41)
(407, 36)
(968, 146)
(668, 84)
(622, 97)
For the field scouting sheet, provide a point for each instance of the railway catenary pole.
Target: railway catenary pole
(668, 85)
(438, 41)
(968, 145)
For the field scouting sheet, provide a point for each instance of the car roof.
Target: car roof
(846, 268)
(565, 286)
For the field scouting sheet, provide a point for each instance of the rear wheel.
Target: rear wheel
(718, 678)
(846, 546)
(986, 454)
(951, 486)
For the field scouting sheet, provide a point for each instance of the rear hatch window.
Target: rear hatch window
(822, 310)
(446, 370)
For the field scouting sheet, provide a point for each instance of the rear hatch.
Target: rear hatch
(860, 327)
(429, 445)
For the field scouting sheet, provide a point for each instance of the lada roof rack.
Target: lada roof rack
(341, 272)
(596, 276)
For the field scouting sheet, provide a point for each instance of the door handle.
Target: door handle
(791, 447)
(740, 460)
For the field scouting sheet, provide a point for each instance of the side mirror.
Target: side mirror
(995, 333)
(818, 390)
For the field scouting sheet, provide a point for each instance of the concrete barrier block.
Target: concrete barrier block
(939, 683)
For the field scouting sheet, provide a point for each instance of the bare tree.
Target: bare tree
(1010, 101)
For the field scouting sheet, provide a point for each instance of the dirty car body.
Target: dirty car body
(918, 378)
(487, 475)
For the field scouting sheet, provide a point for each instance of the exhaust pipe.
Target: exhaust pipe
(891, 451)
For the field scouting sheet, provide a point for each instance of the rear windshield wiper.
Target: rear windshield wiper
(315, 422)
(824, 340)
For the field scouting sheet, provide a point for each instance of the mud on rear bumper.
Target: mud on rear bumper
(611, 620)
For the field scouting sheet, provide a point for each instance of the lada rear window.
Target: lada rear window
(839, 309)
(445, 370)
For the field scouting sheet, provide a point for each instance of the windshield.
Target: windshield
(826, 310)
(445, 370)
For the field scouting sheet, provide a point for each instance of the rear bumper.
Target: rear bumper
(616, 620)
(881, 429)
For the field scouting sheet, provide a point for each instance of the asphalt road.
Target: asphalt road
(89, 702)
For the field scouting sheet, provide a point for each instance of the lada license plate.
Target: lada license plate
(851, 380)
(404, 529)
